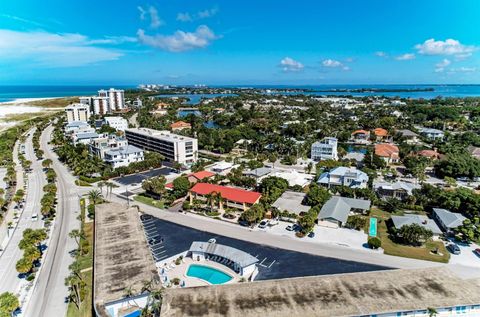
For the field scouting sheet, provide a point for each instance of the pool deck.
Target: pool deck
(180, 271)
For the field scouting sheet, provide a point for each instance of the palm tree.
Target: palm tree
(95, 196)
(23, 265)
(100, 185)
(432, 312)
(76, 235)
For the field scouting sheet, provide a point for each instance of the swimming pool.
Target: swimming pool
(209, 274)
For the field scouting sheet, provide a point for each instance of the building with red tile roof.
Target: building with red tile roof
(193, 178)
(361, 136)
(431, 154)
(231, 197)
(389, 152)
(180, 125)
(380, 132)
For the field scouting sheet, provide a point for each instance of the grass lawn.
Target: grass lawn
(86, 265)
(149, 201)
(392, 248)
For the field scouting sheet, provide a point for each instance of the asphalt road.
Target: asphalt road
(48, 298)
(36, 180)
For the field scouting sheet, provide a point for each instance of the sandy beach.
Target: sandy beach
(25, 101)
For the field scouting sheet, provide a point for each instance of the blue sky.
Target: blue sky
(247, 42)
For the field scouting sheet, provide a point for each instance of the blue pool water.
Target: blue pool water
(209, 274)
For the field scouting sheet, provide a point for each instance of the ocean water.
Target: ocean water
(10, 93)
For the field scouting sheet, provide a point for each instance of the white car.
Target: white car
(263, 224)
(35, 217)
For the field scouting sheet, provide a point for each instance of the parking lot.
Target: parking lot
(140, 177)
(169, 239)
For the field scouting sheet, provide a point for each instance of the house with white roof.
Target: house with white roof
(123, 156)
(292, 202)
(325, 149)
(432, 134)
(447, 220)
(344, 176)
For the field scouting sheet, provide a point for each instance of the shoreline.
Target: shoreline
(25, 101)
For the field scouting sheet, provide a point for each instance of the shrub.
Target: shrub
(374, 243)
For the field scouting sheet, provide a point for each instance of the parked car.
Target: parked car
(244, 223)
(311, 234)
(145, 217)
(297, 227)
(477, 252)
(263, 224)
(454, 249)
(289, 228)
(35, 217)
(273, 222)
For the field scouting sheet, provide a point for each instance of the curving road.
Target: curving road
(48, 297)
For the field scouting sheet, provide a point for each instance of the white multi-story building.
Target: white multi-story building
(104, 143)
(325, 149)
(344, 176)
(118, 123)
(101, 105)
(123, 156)
(77, 112)
(116, 98)
(174, 147)
(86, 100)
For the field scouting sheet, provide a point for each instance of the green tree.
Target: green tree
(272, 188)
(155, 185)
(468, 231)
(317, 195)
(374, 243)
(24, 265)
(8, 304)
(95, 196)
(414, 234)
(46, 163)
(181, 186)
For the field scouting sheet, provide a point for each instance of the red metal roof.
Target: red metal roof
(229, 193)
(201, 175)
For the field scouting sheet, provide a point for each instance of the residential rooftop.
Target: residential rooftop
(229, 193)
(292, 202)
(355, 294)
(122, 258)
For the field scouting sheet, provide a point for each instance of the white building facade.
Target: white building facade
(116, 98)
(123, 156)
(174, 147)
(101, 105)
(325, 149)
(77, 112)
(118, 123)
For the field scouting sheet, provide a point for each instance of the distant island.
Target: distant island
(374, 90)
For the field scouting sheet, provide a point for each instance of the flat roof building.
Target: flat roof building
(77, 112)
(325, 149)
(174, 147)
(118, 123)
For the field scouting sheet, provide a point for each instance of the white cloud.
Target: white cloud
(331, 63)
(152, 12)
(184, 17)
(155, 20)
(462, 70)
(447, 47)
(20, 19)
(189, 17)
(440, 67)
(179, 41)
(405, 57)
(290, 65)
(142, 13)
(54, 50)
(381, 54)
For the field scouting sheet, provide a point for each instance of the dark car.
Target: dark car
(454, 249)
(296, 227)
(146, 217)
(244, 223)
(477, 252)
(311, 234)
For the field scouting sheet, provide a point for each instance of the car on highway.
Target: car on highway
(311, 234)
(477, 252)
(263, 224)
(35, 217)
(289, 228)
(454, 249)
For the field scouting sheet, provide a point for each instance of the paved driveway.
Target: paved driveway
(466, 257)
(341, 236)
(139, 177)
